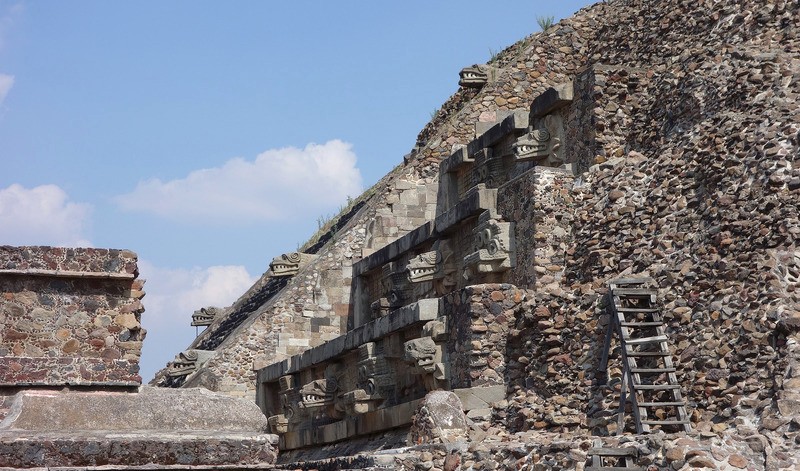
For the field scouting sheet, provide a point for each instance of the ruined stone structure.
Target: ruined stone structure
(70, 318)
(589, 260)
(70, 395)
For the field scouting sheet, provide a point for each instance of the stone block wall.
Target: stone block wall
(478, 321)
(70, 317)
(540, 202)
(409, 204)
(605, 113)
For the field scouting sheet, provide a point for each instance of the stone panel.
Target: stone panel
(70, 317)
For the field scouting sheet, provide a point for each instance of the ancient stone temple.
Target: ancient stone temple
(590, 259)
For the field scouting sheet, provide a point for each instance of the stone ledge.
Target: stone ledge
(516, 122)
(192, 410)
(67, 261)
(143, 450)
(394, 249)
(423, 310)
(476, 201)
(552, 99)
(69, 274)
(52, 371)
(455, 161)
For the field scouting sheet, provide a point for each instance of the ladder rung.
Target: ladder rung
(652, 370)
(636, 309)
(660, 404)
(656, 387)
(665, 422)
(613, 468)
(657, 338)
(628, 451)
(631, 281)
(634, 292)
(640, 324)
(647, 354)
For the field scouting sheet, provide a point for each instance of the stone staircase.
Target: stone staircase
(649, 382)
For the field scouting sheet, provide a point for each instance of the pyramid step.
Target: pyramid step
(652, 370)
(639, 341)
(661, 404)
(641, 324)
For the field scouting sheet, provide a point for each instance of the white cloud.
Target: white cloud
(42, 216)
(6, 82)
(172, 295)
(277, 183)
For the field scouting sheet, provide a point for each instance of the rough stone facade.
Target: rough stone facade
(70, 317)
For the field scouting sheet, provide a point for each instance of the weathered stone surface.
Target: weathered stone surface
(88, 450)
(480, 397)
(71, 316)
(155, 427)
(439, 418)
(168, 410)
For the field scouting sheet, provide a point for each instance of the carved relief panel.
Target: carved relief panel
(187, 362)
(437, 265)
(543, 142)
(395, 289)
(425, 357)
(475, 76)
(493, 246)
(289, 264)
(205, 316)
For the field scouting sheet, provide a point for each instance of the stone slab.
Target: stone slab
(154, 409)
(552, 99)
(455, 161)
(143, 450)
(423, 310)
(480, 397)
(476, 201)
(517, 122)
(481, 126)
(394, 249)
(67, 262)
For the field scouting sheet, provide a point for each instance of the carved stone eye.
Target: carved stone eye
(293, 257)
(541, 135)
(485, 237)
(370, 387)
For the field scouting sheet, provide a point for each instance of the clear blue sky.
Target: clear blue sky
(209, 136)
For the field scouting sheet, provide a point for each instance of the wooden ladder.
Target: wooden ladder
(623, 458)
(649, 382)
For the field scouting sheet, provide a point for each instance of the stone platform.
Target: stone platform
(150, 429)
